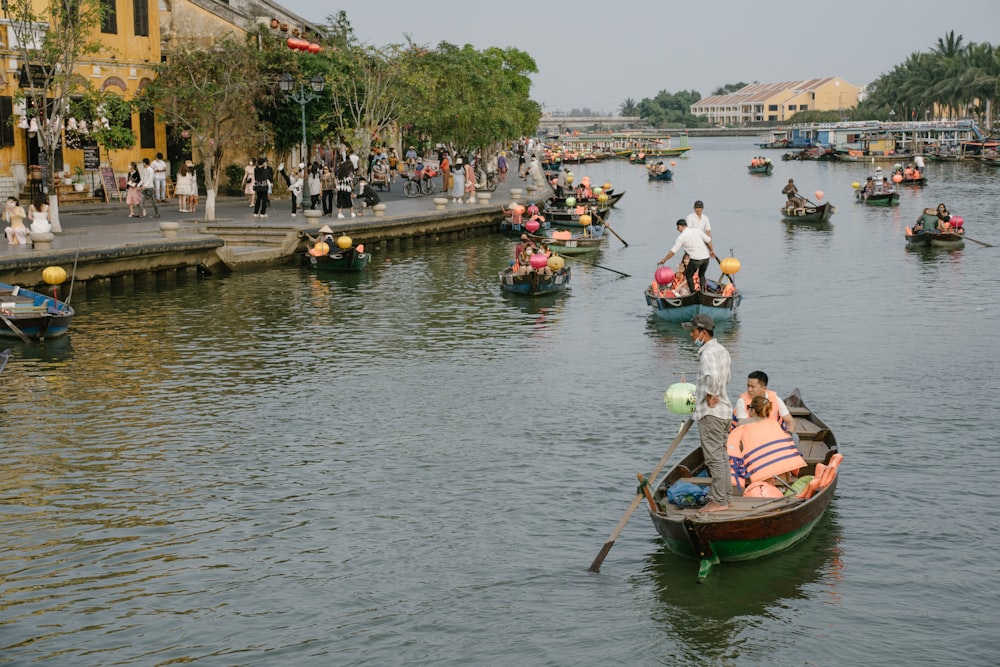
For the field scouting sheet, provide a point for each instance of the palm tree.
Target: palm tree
(628, 108)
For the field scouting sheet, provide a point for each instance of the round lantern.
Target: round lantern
(679, 398)
(673, 163)
(607, 185)
(897, 166)
(556, 262)
(664, 275)
(897, 178)
(585, 220)
(570, 201)
(730, 265)
(344, 242)
(569, 177)
(532, 226)
(602, 198)
(314, 47)
(819, 195)
(322, 248)
(539, 260)
(597, 191)
(54, 275)
(855, 185)
(956, 221)
(532, 209)
(292, 43)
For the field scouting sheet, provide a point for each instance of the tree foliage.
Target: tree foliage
(628, 108)
(213, 95)
(671, 109)
(730, 88)
(952, 79)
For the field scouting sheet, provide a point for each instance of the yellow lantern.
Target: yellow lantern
(855, 185)
(602, 198)
(569, 177)
(585, 220)
(344, 242)
(321, 248)
(607, 185)
(54, 275)
(730, 265)
(556, 262)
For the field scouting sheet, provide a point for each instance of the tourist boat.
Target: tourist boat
(613, 198)
(751, 527)
(765, 168)
(778, 139)
(817, 213)
(563, 216)
(930, 236)
(566, 242)
(25, 314)
(714, 303)
(876, 198)
(352, 258)
(507, 226)
(663, 176)
(913, 181)
(534, 283)
(637, 158)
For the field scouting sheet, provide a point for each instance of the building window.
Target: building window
(791, 107)
(147, 130)
(803, 107)
(140, 10)
(6, 123)
(109, 17)
(772, 107)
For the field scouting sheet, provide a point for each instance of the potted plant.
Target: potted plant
(36, 172)
(78, 184)
(66, 178)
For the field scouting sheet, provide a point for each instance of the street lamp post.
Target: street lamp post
(302, 97)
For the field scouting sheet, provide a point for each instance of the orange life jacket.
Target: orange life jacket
(761, 450)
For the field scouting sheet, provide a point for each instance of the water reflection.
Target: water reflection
(793, 227)
(711, 618)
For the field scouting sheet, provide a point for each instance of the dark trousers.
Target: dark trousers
(260, 201)
(313, 201)
(327, 202)
(699, 265)
(150, 194)
(295, 202)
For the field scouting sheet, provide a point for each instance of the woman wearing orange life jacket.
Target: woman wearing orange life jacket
(760, 450)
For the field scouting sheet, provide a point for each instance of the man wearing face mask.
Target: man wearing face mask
(712, 408)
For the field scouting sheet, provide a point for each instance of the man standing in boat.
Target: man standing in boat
(712, 408)
(698, 246)
(698, 220)
(792, 193)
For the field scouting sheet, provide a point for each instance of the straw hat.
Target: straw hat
(325, 229)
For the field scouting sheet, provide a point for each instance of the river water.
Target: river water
(408, 467)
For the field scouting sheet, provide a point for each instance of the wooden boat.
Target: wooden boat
(613, 198)
(682, 308)
(639, 158)
(913, 181)
(930, 236)
(566, 242)
(518, 228)
(818, 213)
(664, 176)
(751, 527)
(534, 283)
(33, 314)
(655, 151)
(349, 259)
(877, 198)
(562, 216)
(777, 139)
(991, 160)
(765, 168)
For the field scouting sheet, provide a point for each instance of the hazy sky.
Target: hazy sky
(597, 58)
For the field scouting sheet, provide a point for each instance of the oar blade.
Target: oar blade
(605, 550)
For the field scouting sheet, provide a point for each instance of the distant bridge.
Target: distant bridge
(562, 124)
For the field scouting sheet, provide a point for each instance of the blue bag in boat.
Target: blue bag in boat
(686, 494)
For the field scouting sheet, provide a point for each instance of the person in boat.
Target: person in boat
(757, 386)
(869, 188)
(325, 234)
(522, 255)
(712, 408)
(698, 245)
(943, 218)
(791, 193)
(679, 285)
(698, 220)
(887, 187)
(760, 449)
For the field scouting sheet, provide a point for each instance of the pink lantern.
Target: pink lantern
(532, 209)
(532, 226)
(957, 221)
(539, 260)
(664, 275)
(819, 195)
(897, 178)
(673, 163)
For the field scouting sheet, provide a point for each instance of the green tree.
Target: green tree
(213, 95)
(52, 39)
(671, 109)
(729, 88)
(628, 107)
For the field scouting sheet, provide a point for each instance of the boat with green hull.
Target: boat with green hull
(752, 527)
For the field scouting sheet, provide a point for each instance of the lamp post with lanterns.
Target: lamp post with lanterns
(302, 97)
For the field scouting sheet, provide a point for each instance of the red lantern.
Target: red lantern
(532, 226)
(539, 260)
(292, 43)
(314, 48)
(664, 275)
(897, 178)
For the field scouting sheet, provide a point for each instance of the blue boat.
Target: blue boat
(25, 314)
(507, 226)
(713, 303)
(534, 283)
(664, 176)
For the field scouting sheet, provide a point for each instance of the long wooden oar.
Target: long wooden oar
(13, 327)
(596, 565)
(5, 355)
(982, 243)
(608, 227)
(597, 265)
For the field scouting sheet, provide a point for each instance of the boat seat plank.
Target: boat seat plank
(798, 411)
(704, 481)
(807, 430)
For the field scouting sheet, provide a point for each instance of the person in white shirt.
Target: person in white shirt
(698, 220)
(146, 187)
(698, 245)
(159, 177)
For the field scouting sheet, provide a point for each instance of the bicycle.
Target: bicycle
(422, 183)
(487, 181)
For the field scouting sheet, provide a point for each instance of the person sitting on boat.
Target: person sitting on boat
(908, 173)
(760, 449)
(943, 218)
(757, 386)
(325, 235)
(698, 245)
(869, 188)
(679, 285)
(887, 187)
(792, 193)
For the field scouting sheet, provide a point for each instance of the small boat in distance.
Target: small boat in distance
(814, 213)
(890, 198)
(761, 167)
(33, 315)
(926, 232)
(534, 283)
(751, 527)
(329, 254)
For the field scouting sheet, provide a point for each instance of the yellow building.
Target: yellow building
(761, 103)
(132, 37)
